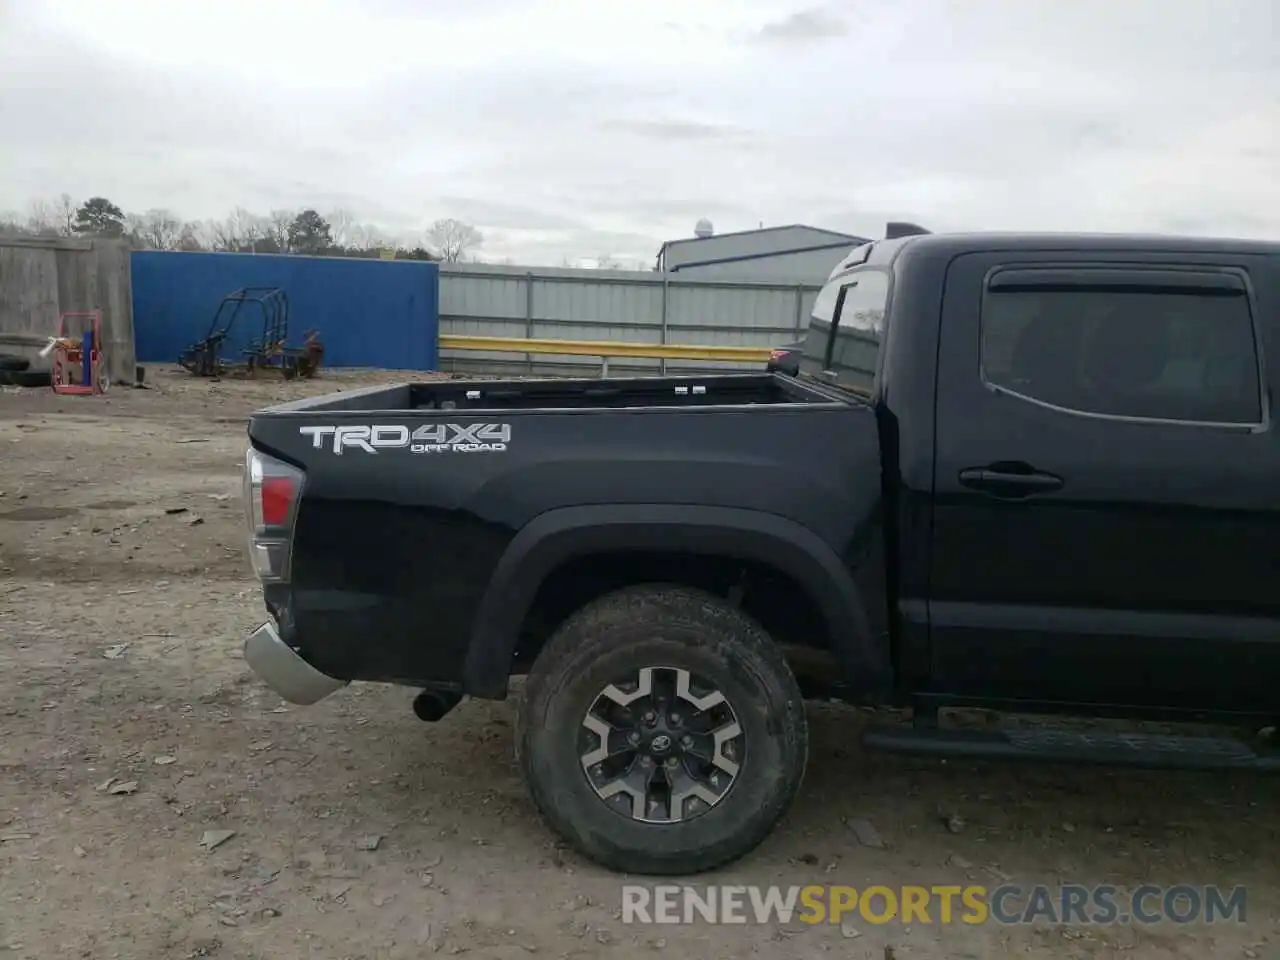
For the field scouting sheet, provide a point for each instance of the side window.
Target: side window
(1152, 351)
(847, 327)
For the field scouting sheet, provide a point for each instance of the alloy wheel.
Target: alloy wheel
(663, 747)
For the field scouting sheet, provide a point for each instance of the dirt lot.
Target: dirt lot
(120, 627)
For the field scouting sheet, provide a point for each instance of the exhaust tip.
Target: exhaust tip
(433, 705)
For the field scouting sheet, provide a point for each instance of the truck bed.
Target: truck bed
(687, 391)
(413, 493)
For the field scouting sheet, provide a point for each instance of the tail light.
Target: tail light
(272, 491)
(776, 354)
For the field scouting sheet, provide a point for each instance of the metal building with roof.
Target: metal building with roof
(793, 253)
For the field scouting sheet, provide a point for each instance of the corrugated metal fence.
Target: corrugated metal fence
(384, 314)
(620, 305)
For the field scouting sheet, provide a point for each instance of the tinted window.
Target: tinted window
(854, 305)
(815, 343)
(1172, 355)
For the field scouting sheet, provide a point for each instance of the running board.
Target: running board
(1156, 751)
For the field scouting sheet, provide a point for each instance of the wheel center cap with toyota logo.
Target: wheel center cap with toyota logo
(660, 744)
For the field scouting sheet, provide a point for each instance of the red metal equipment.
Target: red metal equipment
(79, 366)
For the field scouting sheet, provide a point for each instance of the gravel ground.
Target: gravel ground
(130, 728)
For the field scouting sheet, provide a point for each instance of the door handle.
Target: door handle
(1004, 482)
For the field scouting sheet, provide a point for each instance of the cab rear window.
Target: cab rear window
(846, 328)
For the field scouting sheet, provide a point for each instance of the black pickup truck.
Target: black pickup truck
(1027, 473)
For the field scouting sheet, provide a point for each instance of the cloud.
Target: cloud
(677, 129)
(803, 26)
(497, 213)
(574, 128)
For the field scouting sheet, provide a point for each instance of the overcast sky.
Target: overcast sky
(570, 128)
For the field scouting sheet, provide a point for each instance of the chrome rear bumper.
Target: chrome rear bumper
(280, 668)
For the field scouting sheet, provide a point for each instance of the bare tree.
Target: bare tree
(368, 236)
(340, 223)
(224, 234)
(242, 230)
(64, 209)
(606, 261)
(277, 227)
(159, 229)
(452, 239)
(204, 233)
(42, 219)
(251, 227)
(132, 227)
(361, 235)
(190, 237)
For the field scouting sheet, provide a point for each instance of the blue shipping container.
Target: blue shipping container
(368, 313)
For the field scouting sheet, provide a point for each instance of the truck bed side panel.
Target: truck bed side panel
(395, 548)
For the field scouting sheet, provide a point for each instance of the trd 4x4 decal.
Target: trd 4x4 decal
(428, 438)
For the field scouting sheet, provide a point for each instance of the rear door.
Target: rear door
(1107, 514)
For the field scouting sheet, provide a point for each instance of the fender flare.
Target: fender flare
(559, 535)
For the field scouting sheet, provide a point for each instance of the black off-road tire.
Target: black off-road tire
(26, 378)
(613, 638)
(9, 361)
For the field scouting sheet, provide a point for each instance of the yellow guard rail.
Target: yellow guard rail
(604, 349)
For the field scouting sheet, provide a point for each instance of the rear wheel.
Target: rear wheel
(662, 731)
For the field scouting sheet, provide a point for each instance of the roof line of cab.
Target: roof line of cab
(899, 234)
